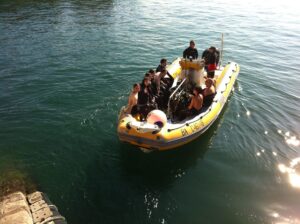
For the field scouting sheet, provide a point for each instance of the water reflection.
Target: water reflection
(283, 215)
(292, 141)
(293, 172)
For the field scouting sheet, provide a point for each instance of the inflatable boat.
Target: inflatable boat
(165, 129)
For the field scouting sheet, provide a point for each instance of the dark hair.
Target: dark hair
(145, 78)
(135, 85)
(211, 82)
(151, 71)
(213, 48)
(198, 89)
(192, 42)
(163, 60)
(147, 74)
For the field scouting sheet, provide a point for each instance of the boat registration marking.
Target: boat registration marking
(192, 128)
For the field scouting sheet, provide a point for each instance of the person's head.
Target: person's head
(152, 73)
(197, 90)
(209, 82)
(212, 49)
(192, 44)
(163, 62)
(136, 87)
(147, 74)
(146, 81)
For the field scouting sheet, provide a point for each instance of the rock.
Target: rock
(14, 209)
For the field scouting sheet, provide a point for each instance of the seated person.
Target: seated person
(162, 65)
(191, 52)
(158, 80)
(196, 102)
(147, 75)
(209, 92)
(151, 75)
(133, 99)
(145, 98)
(213, 79)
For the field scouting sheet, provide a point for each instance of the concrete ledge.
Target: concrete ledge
(15, 209)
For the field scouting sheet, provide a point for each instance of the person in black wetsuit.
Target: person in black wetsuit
(211, 57)
(151, 75)
(162, 65)
(145, 98)
(208, 93)
(191, 52)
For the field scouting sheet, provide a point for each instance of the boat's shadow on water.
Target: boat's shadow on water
(165, 166)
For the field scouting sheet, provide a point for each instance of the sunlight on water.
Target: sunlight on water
(151, 203)
(292, 141)
(258, 154)
(293, 172)
(281, 219)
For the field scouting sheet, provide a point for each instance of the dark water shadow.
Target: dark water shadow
(161, 168)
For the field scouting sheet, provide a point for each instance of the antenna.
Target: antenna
(222, 49)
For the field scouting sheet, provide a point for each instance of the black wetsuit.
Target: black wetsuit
(169, 82)
(145, 104)
(159, 68)
(211, 58)
(153, 88)
(145, 95)
(190, 52)
(194, 112)
(207, 100)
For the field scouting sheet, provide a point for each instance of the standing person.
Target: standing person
(191, 51)
(133, 98)
(211, 57)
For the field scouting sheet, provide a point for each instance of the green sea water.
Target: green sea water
(66, 68)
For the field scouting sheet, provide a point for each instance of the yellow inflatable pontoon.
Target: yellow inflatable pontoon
(173, 132)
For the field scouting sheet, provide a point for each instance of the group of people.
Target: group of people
(153, 91)
(211, 57)
(202, 98)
